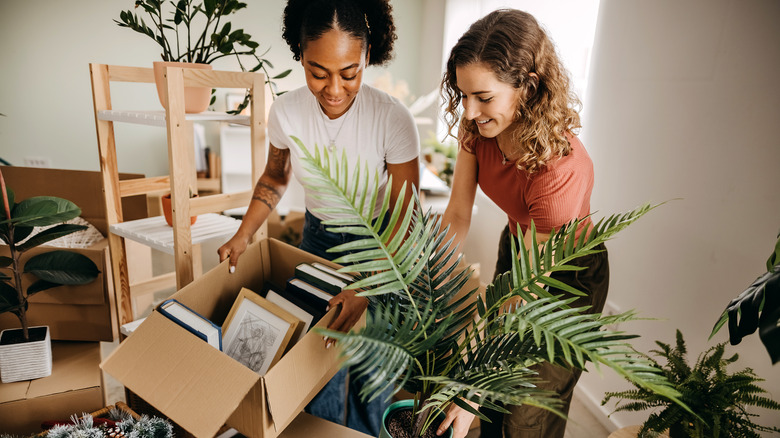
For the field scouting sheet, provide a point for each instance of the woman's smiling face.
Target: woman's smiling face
(334, 65)
(486, 100)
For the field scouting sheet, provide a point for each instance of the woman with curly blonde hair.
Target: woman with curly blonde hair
(517, 143)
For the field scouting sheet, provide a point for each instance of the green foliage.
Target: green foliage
(718, 399)
(52, 268)
(197, 31)
(757, 307)
(85, 427)
(445, 345)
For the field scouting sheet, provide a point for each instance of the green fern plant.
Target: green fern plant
(418, 336)
(718, 399)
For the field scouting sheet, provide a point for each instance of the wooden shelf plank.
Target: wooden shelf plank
(157, 118)
(154, 232)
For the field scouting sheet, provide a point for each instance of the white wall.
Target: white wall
(45, 89)
(683, 100)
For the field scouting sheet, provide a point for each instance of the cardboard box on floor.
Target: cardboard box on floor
(289, 229)
(201, 388)
(75, 386)
(75, 313)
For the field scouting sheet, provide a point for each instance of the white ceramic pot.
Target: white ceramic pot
(26, 360)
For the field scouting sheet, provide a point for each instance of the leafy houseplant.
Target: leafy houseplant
(420, 337)
(757, 307)
(198, 32)
(718, 399)
(52, 268)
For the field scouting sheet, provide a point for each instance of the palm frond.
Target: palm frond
(422, 333)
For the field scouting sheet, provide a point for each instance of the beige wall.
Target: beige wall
(683, 102)
(44, 81)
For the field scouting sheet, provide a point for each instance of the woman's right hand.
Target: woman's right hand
(233, 250)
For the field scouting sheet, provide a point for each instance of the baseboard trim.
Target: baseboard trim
(592, 403)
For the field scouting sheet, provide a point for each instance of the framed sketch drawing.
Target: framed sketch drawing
(257, 331)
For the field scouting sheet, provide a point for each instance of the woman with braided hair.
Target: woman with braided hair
(335, 40)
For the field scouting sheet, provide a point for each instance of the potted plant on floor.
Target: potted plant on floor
(717, 399)
(444, 350)
(25, 353)
(194, 34)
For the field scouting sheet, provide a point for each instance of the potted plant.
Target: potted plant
(444, 350)
(718, 399)
(194, 34)
(25, 353)
(757, 307)
(167, 208)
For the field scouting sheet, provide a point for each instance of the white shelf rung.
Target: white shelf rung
(156, 233)
(157, 118)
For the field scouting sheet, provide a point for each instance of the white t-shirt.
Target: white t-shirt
(377, 128)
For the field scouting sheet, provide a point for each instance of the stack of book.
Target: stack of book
(260, 328)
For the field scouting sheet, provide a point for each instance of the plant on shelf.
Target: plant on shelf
(199, 32)
(50, 268)
(757, 307)
(718, 399)
(444, 345)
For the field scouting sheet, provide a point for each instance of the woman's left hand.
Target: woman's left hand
(352, 308)
(460, 420)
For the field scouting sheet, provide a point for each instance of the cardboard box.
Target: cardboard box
(289, 230)
(306, 425)
(75, 386)
(76, 313)
(201, 388)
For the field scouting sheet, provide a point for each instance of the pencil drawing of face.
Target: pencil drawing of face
(253, 343)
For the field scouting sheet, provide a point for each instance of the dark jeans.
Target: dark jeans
(334, 402)
(531, 422)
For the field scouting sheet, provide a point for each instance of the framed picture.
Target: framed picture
(257, 331)
(305, 317)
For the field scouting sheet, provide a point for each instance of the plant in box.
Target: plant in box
(26, 353)
(444, 350)
(195, 34)
(718, 400)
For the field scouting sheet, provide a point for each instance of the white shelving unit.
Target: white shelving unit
(157, 118)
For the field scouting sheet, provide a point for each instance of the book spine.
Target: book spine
(318, 282)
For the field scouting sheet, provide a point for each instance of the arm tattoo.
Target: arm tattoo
(278, 169)
(278, 163)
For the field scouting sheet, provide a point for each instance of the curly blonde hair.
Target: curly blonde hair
(513, 45)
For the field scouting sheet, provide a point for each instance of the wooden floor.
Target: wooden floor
(582, 423)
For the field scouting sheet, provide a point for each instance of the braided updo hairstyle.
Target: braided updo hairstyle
(368, 20)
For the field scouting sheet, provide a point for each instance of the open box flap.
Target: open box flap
(302, 372)
(195, 385)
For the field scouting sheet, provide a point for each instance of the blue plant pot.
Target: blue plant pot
(399, 405)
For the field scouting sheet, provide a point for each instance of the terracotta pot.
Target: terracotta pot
(167, 211)
(196, 99)
(401, 405)
(25, 360)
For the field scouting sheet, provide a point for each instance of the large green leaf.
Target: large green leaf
(62, 267)
(42, 211)
(9, 297)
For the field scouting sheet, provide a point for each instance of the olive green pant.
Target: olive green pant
(531, 422)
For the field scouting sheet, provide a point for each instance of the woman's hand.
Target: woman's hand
(233, 250)
(459, 418)
(352, 308)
